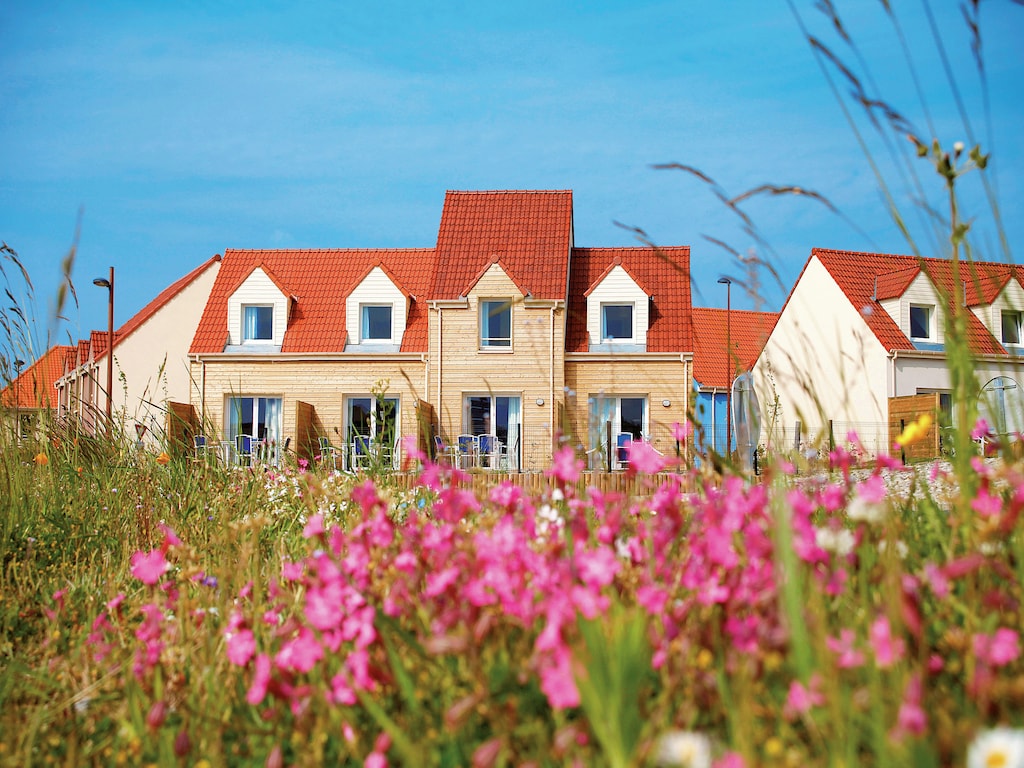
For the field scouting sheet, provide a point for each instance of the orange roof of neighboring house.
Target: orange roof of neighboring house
(321, 281)
(855, 274)
(747, 331)
(663, 272)
(530, 232)
(34, 387)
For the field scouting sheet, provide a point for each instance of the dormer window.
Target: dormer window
(1011, 326)
(375, 322)
(616, 322)
(257, 323)
(921, 321)
(495, 323)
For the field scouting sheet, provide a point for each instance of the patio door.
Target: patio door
(626, 415)
(498, 415)
(372, 417)
(257, 417)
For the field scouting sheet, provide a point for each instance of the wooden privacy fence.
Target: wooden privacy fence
(535, 482)
(906, 410)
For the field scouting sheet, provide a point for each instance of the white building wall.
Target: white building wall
(618, 288)
(153, 359)
(258, 288)
(822, 362)
(376, 288)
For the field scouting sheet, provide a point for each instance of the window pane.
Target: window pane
(258, 324)
(377, 322)
(496, 323)
(919, 325)
(479, 413)
(617, 321)
(632, 416)
(359, 416)
(1011, 327)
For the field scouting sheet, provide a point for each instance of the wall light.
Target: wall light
(666, 402)
(540, 401)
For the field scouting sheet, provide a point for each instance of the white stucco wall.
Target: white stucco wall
(162, 341)
(822, 362)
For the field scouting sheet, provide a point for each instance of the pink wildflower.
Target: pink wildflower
(148, 567)
(802, 698)
(936, 580)
(301, 653)
(987, 504)
(730, 760)
(981, 429)
(597, 568)
(998, 649)
(170, 537)
(888, 650)
(241, 647)
(315, 527)
(843, 647)
(911, 719)
(556, 680)
(643, 457)
(260, 680)
(565, 466)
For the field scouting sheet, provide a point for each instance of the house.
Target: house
(859, 329)
(151, 368)
(503, 328)
(715, 367)
(31, 398)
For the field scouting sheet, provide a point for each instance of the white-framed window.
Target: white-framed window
(616, 322)
(257, 417)
(495, 323)
(375, 322)
(1011, 326)
(921, 321)
(257, 322)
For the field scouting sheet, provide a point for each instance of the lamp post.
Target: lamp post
(18, 365)
(728, 363)
(109, 285)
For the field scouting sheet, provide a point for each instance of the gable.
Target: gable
(617, 289)
(259, 289)
(375, 290)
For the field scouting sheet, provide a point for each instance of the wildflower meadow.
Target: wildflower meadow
(182, 613)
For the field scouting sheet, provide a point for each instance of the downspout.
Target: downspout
(895, 354)
(440, 363)
(202, 398)
(686, 406)
(551, 382)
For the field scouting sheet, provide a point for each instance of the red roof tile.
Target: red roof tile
(748, 331)
(34, 387)
(663, 272)
(855, 274)
(529, 231)
(321, 280)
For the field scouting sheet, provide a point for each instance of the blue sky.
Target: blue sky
(179, 130)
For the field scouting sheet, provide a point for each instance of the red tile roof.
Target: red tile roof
(320, 280)
(34, 387)
(664, 272)
(529, 231)
(748, 331)
(855, 273)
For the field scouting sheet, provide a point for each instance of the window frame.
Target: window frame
(1018, 321)
(929, 310)
(364, 323)
(494, 343)
(608, 339)
(246, 339)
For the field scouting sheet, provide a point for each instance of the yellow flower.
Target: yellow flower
(163, 458)
(915, 431)
(42, 459)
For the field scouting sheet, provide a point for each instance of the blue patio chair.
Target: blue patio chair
(490, 451)
(623, 441)
(243, 450)
(468, 450)
(359, 454)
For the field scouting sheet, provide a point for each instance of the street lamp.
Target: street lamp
(728, 363)
(18, 365)
(109, 285)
